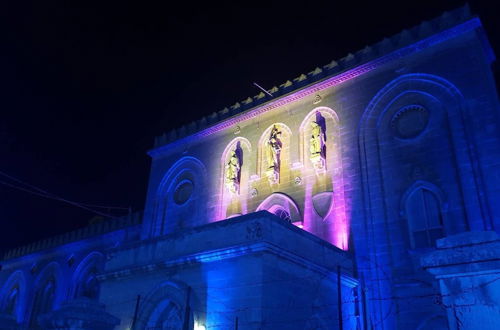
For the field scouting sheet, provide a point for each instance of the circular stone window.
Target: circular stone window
(183, 191)
(410, 121)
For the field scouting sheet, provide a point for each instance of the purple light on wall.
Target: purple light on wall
(225, 197)
(341, 227)
(308, 207)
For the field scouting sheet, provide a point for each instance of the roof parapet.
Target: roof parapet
(368, 53)
(76, 235)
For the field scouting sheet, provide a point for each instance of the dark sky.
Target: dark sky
(84, 88)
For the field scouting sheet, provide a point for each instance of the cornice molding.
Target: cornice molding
(321, 85)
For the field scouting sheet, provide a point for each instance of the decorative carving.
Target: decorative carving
(317, 147)
(410, 121)
(317, 99)
(232, 173)
(322, 203)
(254, 177)
(273, 152)
(298, 180)
(237, 130)
(254, 230)
(254, 193)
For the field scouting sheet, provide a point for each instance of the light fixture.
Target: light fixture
(199, 326)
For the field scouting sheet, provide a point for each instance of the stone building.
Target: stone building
(361, 195)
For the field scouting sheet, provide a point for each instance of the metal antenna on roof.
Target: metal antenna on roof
(262, 89)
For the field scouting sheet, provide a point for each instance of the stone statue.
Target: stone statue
(317, 146)
(317, 141)
(233, 167)
(273, 150)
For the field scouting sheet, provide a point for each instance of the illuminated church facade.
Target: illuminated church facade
(362, 195)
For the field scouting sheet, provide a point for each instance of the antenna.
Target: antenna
(262, 89)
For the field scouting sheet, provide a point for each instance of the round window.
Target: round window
(183, 192)
(410, 121)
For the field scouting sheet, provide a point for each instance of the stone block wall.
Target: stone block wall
(467, 267)
(402, 138)
(256, 270)
(40, 282)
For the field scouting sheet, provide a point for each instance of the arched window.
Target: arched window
(166, 316)
(11, 302)
(181, 198)
(89, 287)
(13, 296)
(84, 282)
(425, 219)
(283, 214)
(283, 207)
(165, 308)
(44, 301)
(234, 177)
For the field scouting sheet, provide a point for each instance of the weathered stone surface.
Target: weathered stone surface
(8, 322)
(468, 269)
(256, 267)
(467, 238)
(79, 314)
(412, 155)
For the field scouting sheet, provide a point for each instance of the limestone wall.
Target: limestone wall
(412, 155)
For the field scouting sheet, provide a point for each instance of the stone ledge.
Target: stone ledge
(467, 238)
(469, 252)
(249, 234)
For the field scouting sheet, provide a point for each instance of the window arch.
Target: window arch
(166, 316)
(84, 281)
(281, 213)
(180, 198)
(235, 202)
(48, 292)
(423, 210)
(13, 296)
(327, 212)
(44, 301)
(165, 307)
(328, 120)
(282, 206)
(11, 301)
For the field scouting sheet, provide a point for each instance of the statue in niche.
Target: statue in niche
(317, 146)
(273, 151)
(232, 173)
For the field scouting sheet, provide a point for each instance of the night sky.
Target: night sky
(85, 88)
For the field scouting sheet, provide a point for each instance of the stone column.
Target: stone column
(467, 267)
(79, 314)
